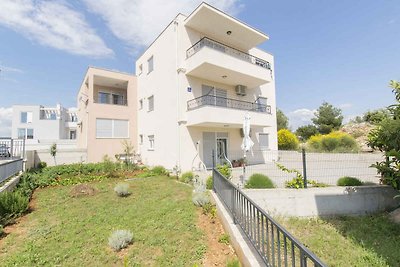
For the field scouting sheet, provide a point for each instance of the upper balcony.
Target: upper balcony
(215, 111)
(215, 61)
(111, 91)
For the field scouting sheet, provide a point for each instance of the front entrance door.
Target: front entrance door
(217, 142)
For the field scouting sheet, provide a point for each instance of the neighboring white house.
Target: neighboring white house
(38, 123)
(196, 82)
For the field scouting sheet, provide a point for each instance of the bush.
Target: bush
(120, 239)
(187, 177)
(1, 230)
(348, 181)
(258, 180)
(225, 170)
(224, 239)
(42, 165)
(109, 167)
(159, 170)
(122, 189)
(287, 140)
(333, 142)
(12, 204)
(200, 199)
(233, 263)
(209, 183)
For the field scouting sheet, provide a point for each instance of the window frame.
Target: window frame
(151, 142)
(28, 117)
(150, 107)
(151, 59)
(263, 148)
(112, 129)
(104, 93)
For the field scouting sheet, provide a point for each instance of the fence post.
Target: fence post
(233, 205)
(213, 166)
(12, 148)
(303, 156)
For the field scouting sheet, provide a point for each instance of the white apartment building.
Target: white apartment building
(37, 123)
(196, 82)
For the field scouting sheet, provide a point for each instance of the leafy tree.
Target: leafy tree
(327, 118)
(287, 140)
(53, 152)
(306, 131)
(385, 137)
(282, 121)
(376, 116)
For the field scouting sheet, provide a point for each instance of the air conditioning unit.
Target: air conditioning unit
(240, 90)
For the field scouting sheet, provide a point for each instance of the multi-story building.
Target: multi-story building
(107, 112)
(196, 83)
(38, 123)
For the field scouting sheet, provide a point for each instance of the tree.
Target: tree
(327, 118)
(53, 152)
(282, 121)
(385, 137)
(306, 131)
(376, 116)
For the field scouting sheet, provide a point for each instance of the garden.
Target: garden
(110, 214)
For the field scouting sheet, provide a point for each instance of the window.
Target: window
(151, 103)
(140, 70)
(53, 116)
(141, 139)
(151, 142)
(74, 118)
(263, 139)
(29, 133)
(103, 98)
(262, 104)
(118, 99)
(21, 133)
(25, 133)
(109, 128)
(26, 117)
(141, 104)
(150, 64)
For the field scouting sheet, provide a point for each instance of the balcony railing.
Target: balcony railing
(207, 42)
(210, 100)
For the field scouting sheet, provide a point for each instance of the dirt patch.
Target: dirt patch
(83, 190)
(218, 254)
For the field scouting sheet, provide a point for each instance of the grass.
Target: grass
(68, 231)
(349, 241)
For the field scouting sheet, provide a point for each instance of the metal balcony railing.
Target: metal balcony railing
(207, 42)
(210, 100)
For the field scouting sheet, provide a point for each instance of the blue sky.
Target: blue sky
(343, 52)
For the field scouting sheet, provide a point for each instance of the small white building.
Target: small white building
(196, 82)
(38, 123)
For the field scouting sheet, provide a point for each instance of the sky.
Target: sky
(343, 52)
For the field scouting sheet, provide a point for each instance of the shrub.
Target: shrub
(287, 140)
(120, 239)
(1, 230)
(200, 199)
(258, 180)
(333, 142)
(122, 189)
(187, 177)
(224, 239)
(12, 204)
(42, 165)
(209, 183)
(348, 181)
(159, 170)
(225, 170)
(109, 167)
(233, 263)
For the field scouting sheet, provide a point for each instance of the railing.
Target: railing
(12, 148)
(10, 168)
(210, 100)
(275, 245)
(207, 42)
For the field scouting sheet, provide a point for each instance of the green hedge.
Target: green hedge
(348, 181)
(259, 180)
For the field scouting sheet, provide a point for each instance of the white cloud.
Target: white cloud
(138, 22)
(5, 122)
(9, 69)
(54, 24)
(345, 106)
(300, 117)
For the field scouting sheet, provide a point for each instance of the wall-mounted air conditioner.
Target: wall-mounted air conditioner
(240, 90)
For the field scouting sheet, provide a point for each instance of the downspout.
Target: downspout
(178, 163)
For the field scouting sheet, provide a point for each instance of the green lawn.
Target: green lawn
(350, 241)
(73, 231)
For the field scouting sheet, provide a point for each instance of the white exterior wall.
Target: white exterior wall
(170, 122)
(42, 129)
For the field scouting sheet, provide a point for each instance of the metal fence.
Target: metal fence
(324, 168)
(275, 245)
(12, 153)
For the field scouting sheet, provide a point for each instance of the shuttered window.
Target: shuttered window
(263, 140)
(108, 128)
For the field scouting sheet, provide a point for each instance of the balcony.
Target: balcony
(215, 111)
(212, 60)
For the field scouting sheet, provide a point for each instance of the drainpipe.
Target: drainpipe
(178, 163)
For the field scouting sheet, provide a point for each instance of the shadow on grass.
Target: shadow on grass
(374, 232)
